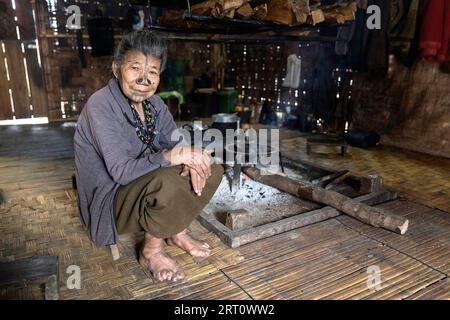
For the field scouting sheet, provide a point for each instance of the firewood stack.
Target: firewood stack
(286, 12)
(238, 9)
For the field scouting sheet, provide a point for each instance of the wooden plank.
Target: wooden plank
(18, 80)
(38, 94)
(51, 288)
(114, 252)
(438, 291)
(238, 219)
(24, 19)
(5, 103)
(32, 268)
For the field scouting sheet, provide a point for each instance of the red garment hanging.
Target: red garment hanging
(435, 31)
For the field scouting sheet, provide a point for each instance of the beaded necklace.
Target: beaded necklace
(146, 131)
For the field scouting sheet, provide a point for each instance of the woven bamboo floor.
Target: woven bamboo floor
(327, 260)
(420, 177)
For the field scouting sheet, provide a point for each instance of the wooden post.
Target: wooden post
(238, 219)
(114, 252)
(374, 216)
(51, 288)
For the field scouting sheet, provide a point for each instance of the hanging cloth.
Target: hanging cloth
(435, 31)
(404, 21)
(294, 66)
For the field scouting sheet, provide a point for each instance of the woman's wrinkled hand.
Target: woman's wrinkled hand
(194, 157)
(197, 181)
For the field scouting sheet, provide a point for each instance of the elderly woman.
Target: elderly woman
(131, 175)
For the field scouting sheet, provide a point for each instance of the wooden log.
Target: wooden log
(340, 13)
(238, 219)
(374, 216)
(325, 180)
(260, 12)
(231, 4)
(290, 12)
(203, 8)
(333, 17)
(280, 11)
(227, 8)
(316, 17)
(301, 10)
(245, 12)
(230, 14)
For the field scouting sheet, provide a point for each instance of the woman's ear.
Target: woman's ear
(115, 69)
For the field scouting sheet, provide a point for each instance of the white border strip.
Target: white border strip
(40, 120)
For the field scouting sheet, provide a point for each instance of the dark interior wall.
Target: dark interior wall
(410, 109)
(257, 72)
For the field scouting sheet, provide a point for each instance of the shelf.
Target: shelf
(242, 26)
(256, 25)
(199, 35)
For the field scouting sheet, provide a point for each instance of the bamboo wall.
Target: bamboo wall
(22, 92)
(411, 108)
(257, 72)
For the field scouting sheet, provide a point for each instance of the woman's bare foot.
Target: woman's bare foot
(193, 247)
(153, 257)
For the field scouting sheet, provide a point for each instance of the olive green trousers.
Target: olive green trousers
(162, 202)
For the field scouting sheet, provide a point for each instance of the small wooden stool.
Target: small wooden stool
(326, 141)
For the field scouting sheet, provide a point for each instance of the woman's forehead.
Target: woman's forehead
(139, 57)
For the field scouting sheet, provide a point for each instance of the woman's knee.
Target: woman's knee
(217, 171)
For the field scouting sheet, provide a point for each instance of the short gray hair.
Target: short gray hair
(145, 42)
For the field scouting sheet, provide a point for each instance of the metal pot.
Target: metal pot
(225, 118)
(224, 121)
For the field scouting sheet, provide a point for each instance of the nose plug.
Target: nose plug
(141, 81)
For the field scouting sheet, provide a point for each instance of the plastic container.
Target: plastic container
(227, 100)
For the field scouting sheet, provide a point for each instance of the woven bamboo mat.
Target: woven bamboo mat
(330, 260)
(49, 225)
(420, 177)
(322, 261)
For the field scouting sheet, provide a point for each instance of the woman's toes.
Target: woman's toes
(159, 276)
(178, 276)
(201, 252)
(166, 274)
(204, 244)
(206, 253)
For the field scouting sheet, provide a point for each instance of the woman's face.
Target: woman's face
(138, 76)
